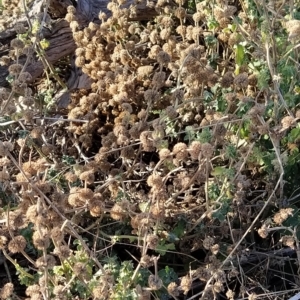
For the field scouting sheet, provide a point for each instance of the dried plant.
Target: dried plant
(184, 149)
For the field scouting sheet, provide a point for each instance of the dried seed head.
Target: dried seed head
(73, 198)
(230, 294)
(155, 181)
(158, 80)
(218, 13)
(154, 282)
(180, 2)
(25, 77)
(4, 161)
(31, 213)
(33, 290)
(63, 252)
(4, 94)
(293, 28)
(28, 116)
(17, 219)
(263, 231)
(85, 194)
(102, 16)
(146, 261)
(218, 287)
(164, 153)
(95, 206)
(28, 50)
(47, 149)
(173, 289)
(59, 291)
(41, 242)
(208, 242)
(6, 291)
(36, 133)
(117, 213)
(93, 26)
(223, 37)
(80, 61)
(147, 141)
(212, 80)
(257, 109)
(289, 241)
(5, 60)
(158, 211)
(195, 149)
(80, 51)
(152, 241)
(127, 107)
(180, 13)
(163, 58)
(3, 241)
(154, 51)
(46, 262)
(198, 16)
(287, 122)
(15, 69)
(180, 150)
(252, 80)
(282, 215)
(151, 96)
(17, 244)
(215, 249)
(241, 80)
(186, 284)
(87, 176)
(207, 150)
(71, 10)
(4, 176)
(29, 168)
(17, 44)
(227, 80)
(165, 33)
(127, 153)
(71, 177)
(234, 39)
(80, 269)
(20, 28)
(56, 234)
(230, 97)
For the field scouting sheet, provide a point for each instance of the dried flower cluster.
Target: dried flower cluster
(170, 152)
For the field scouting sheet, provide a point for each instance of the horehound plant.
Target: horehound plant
(19, 101)
(164, 175)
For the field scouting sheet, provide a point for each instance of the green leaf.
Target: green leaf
(179, 229)
(221, 213)
(190, 133)
(294, 135)
(167, 275)
(58, 270)
(217, 171)
(44, 44)
(223, 171)
(212, 24)
(144, 206)
(207, 95)
(239, 54)
(69, 160)
(163, 248)
(205, 136)
(230, 151)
